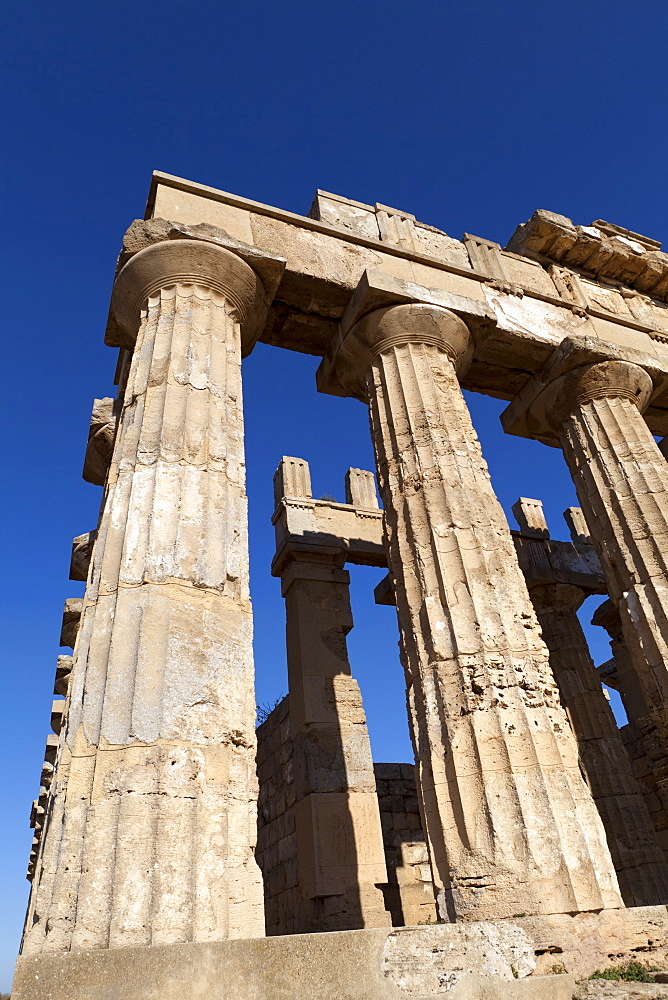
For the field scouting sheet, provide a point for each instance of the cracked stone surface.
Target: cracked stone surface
(152, 811)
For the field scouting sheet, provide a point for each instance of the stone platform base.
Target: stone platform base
(527, 958)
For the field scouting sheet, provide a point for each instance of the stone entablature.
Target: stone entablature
(612, 254)
(528, 309)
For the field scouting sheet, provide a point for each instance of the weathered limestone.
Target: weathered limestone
(63, 674)
(592, 407)
(603, 249)
(625, 679)
(82, 553)
(510, 823)
(639, 734)
(529, 302)
(638, 860)
(71, 621)
(151, 820)
(144, 823)
(338, 835)
(101, 435)
(409, 894)
(528, 958)
(639, 864)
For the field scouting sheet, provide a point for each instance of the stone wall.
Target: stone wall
(276, 837)
(409, 895)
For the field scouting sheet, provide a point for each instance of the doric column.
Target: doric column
(594, 411)
(510, 823)
(151, 819)
(640, 735)
(639, 863)
(341, 860)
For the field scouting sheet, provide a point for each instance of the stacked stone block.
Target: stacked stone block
(276, 832)
(409, 894)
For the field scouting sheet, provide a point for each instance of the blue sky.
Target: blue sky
(468, 115)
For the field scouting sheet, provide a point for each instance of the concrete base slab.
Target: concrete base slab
(527, 958)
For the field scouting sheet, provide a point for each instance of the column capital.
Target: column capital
(558, 596)
(600, 380)
(577, 372)
(380, 316)
(394, 326)
(608, 617)
(189, 262)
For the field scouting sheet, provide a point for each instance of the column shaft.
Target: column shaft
(639, 734)
(639, 863)
(152, 827)
(510, 823)
(622, 482)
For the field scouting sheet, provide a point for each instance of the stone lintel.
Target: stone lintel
(542, 561)
(570, 354)
(534, 307)
(305, 524)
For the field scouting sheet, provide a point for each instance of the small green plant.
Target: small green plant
(431, 921)
(514, 971)
(631, 972)
(519, 914)
(557, 970)
(329, 498)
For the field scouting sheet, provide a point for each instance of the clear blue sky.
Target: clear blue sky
(470, 115)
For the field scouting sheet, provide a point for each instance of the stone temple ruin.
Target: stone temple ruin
(180, 854)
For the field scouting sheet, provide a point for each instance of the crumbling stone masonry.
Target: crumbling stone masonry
(531, 829)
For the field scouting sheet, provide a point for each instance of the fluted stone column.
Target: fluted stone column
(641, 735)
(622, 482)
(639, 863)
(510, 823)
(152, 819)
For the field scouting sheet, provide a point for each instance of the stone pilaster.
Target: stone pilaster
(594, 411)
(510, 823)
(341, 860)
(151, 821)
(639, 863)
